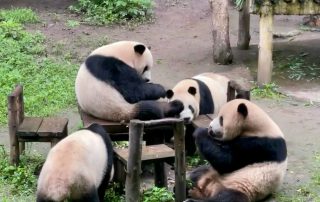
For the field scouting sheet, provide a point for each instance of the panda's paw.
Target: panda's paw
(154, 91)
(175, 108)
(200, 133)
(161, 91)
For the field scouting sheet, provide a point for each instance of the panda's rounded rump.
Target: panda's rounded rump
(77, 162)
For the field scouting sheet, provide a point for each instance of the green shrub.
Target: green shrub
(114, 193)
(48, 83)
(196, 160)
(113, 11)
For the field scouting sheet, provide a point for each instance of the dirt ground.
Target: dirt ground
(181, 43)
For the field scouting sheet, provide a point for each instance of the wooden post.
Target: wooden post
(265, 63)
(179, 163)
(13, 125)
(230, 92)
(244, 27)
(134, 161)
(20, 114)
(222, 53)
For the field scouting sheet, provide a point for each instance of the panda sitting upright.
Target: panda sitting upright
(112, 84)
(247, 153)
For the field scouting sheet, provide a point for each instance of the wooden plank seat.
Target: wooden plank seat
(150, 154)
(30, 129)
(118, 131)
(35, 128)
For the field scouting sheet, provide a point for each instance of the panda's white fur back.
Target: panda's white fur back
(73, 166)
(101, 104)
(218, 85)
(120, 51)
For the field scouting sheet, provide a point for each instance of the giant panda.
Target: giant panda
(202, 94)
(79, 167)
(112, 84)
(247, 154)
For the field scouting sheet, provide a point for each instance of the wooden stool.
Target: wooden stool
(30, 129)
(150, 154)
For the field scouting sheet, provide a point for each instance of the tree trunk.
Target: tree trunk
(244, 27)
(220, 31)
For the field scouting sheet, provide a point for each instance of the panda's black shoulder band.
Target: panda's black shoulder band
(206, 101)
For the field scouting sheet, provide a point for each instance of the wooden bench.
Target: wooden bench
(30, 129)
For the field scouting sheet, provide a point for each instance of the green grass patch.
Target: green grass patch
(101, 12)
(18, 182)
(72, 23)
(48, 83)
(269, 90)
(297, 67)
(19, 15)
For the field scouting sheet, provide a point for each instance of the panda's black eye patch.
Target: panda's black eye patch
(146, 68)
(221, 121)
(191, 109)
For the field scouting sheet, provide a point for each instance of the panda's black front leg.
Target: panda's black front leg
(219, 154)
(151, 91)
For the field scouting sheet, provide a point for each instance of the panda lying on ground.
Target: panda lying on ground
(202, 94)
(112, 84)
(247, 153)
(79, 167)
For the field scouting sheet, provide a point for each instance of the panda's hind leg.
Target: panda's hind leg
(228, 195)
(91, 196)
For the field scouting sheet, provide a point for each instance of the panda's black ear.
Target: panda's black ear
(242, 109)
(139, 48)
(169, 93)
(192, 90)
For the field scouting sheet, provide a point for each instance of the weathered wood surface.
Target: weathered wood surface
(26, 129)
(111, 127)
(236, 90)
(244, 27)
(132, 190)
(151, 152)
(222, 53)
(29, 126)
(180, 161)
(13, 126)
(294, 7)
(53, 127)
(265, 62)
